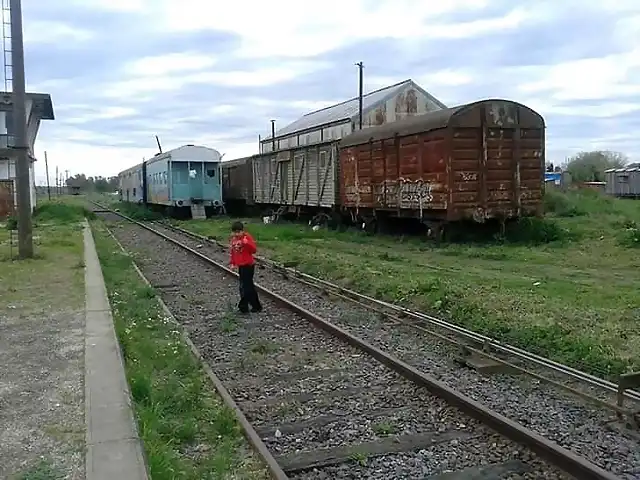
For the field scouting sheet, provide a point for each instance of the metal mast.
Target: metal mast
(15, 77)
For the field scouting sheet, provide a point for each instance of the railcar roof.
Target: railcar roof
(416, 124)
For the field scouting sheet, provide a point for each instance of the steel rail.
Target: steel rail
(486, 341)
(250, 433)
(562, 458)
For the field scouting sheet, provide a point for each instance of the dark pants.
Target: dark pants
(248, 293)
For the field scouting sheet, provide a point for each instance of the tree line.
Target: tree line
(590, 166)
(93, 184)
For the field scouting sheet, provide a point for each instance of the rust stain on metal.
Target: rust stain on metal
(463, 162)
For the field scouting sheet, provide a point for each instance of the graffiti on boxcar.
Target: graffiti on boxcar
(415, 194)
(502, 114)
(404, 193)
(469, 176)
(352, 193)
(386, 193)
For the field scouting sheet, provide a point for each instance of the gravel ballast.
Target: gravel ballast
(568, 420)
(305, 391)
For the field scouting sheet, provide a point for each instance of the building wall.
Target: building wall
(33, 126)
(406, 103)
(8, 172)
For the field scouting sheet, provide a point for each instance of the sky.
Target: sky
(214, 73)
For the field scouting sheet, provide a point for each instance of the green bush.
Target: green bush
(60, 212)
(12, 223)
(559, 204)
(535, 231)
(630, 235)
(138, 212)
(580, 202)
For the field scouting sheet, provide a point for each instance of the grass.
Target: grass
(564, 286)
(43, 470)
(188, 433)
(54, 278)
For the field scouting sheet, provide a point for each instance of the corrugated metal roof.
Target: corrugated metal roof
(349, 109)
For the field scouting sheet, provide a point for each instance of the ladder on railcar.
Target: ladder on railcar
(6, 45)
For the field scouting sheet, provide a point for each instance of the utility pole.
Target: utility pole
(65, 184)
(273, 135)
(19, 97)
(46, 167)
(57, 179)
(360, 66)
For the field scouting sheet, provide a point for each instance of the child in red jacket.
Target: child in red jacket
(243, 246)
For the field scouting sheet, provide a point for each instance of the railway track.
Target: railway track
(327, 404)
(597, 390)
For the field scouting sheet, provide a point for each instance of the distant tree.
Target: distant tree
(93, 184)
(590, 166)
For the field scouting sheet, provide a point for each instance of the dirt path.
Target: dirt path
(42, 322)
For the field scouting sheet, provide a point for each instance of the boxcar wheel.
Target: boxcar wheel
(370, 226)
(335, 223)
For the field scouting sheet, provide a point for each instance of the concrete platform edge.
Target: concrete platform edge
(113, 446)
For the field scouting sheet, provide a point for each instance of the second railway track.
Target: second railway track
(326, 409)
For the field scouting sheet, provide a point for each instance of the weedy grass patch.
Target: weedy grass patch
(54, 278)
(187, 431)
(563, 286)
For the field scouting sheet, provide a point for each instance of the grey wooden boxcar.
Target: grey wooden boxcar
(297, 180)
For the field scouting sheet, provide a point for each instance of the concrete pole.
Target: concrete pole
(19, 97)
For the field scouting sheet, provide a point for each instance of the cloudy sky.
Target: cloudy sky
(214, 73)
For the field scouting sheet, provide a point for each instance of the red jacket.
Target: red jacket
(242, 250)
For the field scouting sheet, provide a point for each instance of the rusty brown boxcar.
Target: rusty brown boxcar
(477, 161)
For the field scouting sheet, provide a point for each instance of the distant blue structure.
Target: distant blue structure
(555, 177)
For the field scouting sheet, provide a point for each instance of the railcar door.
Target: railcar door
(196, 180)
(284, 181)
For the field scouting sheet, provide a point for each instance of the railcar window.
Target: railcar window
(134, 192)
(211, 173)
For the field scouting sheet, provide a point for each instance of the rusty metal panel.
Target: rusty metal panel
(479, 161)
(6, 198)
(407, 173)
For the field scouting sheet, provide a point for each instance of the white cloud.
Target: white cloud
(289, 30)
(105, 113)
(147, 84)
(170, 64)
(589, 79)
(47, 32)
(284, 28)
(111, 5)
